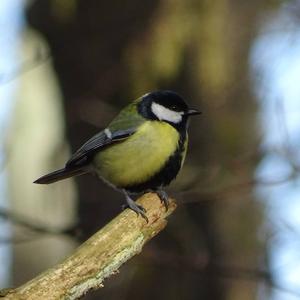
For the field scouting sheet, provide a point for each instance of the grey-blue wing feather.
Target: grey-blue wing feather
(84, 154)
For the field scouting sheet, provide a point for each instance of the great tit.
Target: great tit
(141, 150)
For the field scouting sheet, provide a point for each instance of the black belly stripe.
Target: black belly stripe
(166, 174)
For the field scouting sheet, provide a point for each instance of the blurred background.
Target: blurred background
(67, 67)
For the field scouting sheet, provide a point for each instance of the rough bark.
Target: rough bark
(100, 256)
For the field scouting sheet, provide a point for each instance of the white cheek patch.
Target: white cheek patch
(165, 114)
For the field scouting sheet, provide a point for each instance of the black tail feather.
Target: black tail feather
(59, 175)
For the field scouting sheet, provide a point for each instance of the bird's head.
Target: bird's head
(165, 106)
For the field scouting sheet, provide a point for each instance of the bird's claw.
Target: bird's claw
(164, 198)
(138, 209)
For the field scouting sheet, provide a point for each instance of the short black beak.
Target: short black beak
(192, 112)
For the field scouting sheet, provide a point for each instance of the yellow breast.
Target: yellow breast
(136, 159)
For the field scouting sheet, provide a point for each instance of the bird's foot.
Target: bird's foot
(164, 198)
(138, 209)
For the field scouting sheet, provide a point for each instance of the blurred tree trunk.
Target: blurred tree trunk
(114, 51)
(87, 40)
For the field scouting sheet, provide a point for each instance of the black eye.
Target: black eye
(174, 107)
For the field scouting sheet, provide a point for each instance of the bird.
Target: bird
(141, 150)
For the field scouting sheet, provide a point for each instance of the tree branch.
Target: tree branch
(100, 256)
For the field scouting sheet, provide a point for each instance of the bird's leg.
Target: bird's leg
(163, 196)
(138, 209)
